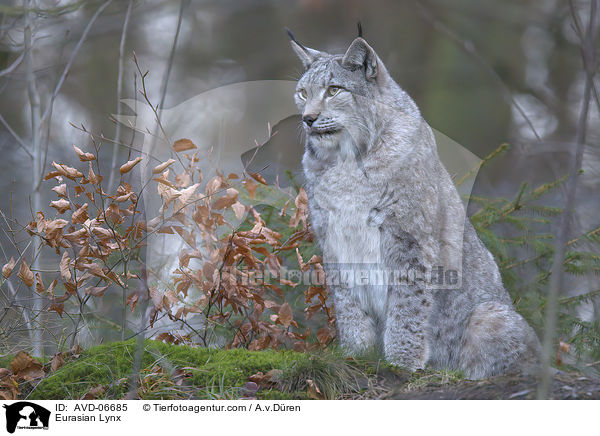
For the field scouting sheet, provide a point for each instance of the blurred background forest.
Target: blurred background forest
(484, 73)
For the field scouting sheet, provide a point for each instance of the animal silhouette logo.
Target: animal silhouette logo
(26, 415)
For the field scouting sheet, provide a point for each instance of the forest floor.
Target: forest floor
(182, 372)
(565, 386)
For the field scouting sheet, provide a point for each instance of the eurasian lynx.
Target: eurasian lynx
(381, 201)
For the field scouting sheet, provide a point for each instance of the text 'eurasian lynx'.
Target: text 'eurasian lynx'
(422, 287)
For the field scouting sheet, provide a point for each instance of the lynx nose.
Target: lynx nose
(309, 119)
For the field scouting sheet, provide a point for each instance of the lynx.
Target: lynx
(380, 200)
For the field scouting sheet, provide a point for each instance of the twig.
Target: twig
(481, 164)
(72, 58)
(165, 83)
(469, 48)
(17, 137)
(34, 106)
(589, 61)
(12, 66)
(115, 150)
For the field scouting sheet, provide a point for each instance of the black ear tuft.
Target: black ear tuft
(307, 55)
(293, 38)
(360, 33)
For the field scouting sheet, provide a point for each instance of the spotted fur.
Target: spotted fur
(380, 199)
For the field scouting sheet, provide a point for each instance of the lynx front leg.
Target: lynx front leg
(404, 338)
(356, 330)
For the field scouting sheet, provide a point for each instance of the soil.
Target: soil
(565, 386)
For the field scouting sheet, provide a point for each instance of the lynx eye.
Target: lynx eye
(333, 91)
(302, 94)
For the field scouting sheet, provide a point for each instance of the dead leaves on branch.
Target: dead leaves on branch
(8, 267)
(128, 166)
(183, 145)
(160, 168)
(83, 157)
(26, 275)
(235, 273)
(65, 171)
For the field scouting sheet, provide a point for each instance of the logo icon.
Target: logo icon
(26, 415)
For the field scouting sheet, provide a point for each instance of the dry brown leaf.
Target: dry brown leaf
(102, 233)
(50, 290)
(53, 174)
(167, 194)
(132, 300)
(57, 307)
(39, 285)
(128, 166)
(325, 335)
(61, 205)
(187, 195)
(301, 264)
(183, 145)
(564, 347)
(26, 275)
(57, 362)
(239, 209)
(182, 180)
(68, 172)
(92, 178)
(250, 187)
(83, 157)
(26, 367)
(9, 388)
(301, 209)
(65, 272)
(93, 393)
(228, 200)
(160, 168)
(8, 267)
(53, 228)
(96, 291)
(94, 269)
(123, 198)
(285, 314)
(61, 190)
(258, 178)
(80, 215)
(213, 185)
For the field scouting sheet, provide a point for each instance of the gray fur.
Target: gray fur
(381, 199)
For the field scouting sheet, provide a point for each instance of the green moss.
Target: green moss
(222, 374)
(5, 360)
(214, 373)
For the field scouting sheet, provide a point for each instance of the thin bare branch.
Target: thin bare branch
(469, 48)
(34, 106)
(588, 53)
(17, 137)
(13, 66)
(115, 150)
(73, 56)
(183, 5)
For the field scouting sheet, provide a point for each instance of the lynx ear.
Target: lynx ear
(361, 55)
(307, 55)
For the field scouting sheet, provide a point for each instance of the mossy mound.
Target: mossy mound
(177, 371)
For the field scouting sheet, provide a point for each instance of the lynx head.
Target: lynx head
(344, 98)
